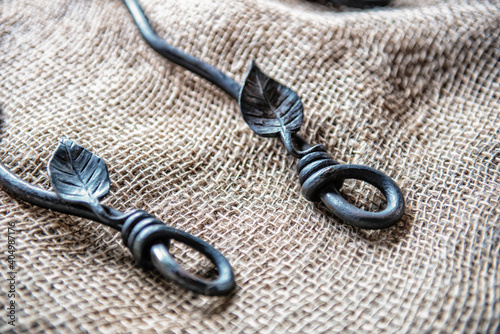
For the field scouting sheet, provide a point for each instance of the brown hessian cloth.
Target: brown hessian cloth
(412, 89)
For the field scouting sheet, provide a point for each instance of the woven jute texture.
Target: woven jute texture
(412, 89)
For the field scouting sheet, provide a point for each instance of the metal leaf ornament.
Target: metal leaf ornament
(77, 175)
(268, 107)
(80, 179)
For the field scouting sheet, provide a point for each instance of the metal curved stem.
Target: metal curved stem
(142, 233)
(193, 64)
(18, 188)
(317, 178)
(152, 236)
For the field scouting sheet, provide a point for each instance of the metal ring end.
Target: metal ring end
(323, 184)
(149, 240)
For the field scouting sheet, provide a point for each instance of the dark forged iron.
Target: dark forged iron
(80, 179)
(274, 110)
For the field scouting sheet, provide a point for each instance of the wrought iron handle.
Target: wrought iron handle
(362, 3)
(321, 178)
(149, 239)
(80, 179)
(274, 110)
(270, 109)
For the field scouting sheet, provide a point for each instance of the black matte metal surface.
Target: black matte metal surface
(268, 107)
(363, 3)
(179, 57)
(80, 179)
(272, 109)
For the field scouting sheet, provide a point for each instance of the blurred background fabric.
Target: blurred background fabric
(412, 89)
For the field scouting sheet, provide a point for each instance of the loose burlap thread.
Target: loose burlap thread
(412, 90)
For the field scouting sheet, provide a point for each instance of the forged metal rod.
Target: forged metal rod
(20, 189)
(274, 110)
(80, 179)
(179, 57)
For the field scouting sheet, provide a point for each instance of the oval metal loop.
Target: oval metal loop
(324, 181)
(155, 239)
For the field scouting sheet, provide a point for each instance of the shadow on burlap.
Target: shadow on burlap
(412, 90)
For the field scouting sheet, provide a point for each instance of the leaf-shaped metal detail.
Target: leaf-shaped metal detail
(77, 175)
(268, 107)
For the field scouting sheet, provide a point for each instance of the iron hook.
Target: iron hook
(80, 179)
(274, 110)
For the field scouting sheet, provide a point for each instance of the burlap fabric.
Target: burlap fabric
(412, 90)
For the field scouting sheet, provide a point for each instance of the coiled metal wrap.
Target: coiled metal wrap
(309, 169)
(149, 240)
(321, 178)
